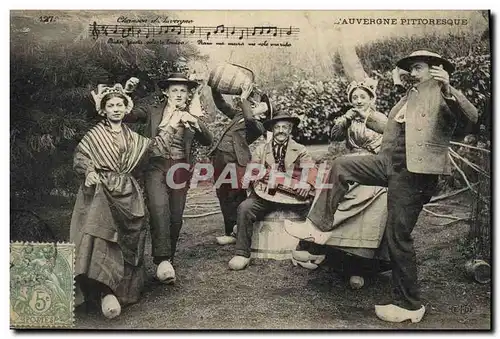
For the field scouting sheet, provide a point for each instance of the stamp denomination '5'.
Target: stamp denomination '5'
(41, 285)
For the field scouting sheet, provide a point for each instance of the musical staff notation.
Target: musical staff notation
(196, 32)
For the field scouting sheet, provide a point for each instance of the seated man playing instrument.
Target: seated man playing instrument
(275, 157)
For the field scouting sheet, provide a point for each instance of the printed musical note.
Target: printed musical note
(97, 30)
(178, 28)
(204, 32)
(272, 28)
(262, 28)
(241, 36)
(173, 29)
(127, 31)
(221, 27)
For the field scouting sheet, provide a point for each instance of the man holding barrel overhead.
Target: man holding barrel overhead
(231, 153)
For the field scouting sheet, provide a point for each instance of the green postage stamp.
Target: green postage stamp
(41, 285)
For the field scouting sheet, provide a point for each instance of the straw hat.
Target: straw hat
(425, 56)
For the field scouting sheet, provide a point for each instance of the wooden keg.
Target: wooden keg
(479, 270)
(270, 239)
(229, 78)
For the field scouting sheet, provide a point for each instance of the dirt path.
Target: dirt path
(277, 295)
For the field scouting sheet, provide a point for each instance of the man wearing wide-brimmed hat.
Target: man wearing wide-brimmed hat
(414, 151)
(232, 151)
(166, 202)
(281, 154)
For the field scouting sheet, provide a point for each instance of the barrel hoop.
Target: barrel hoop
(218, 76)
(211, 78)
(299, 219)
(233, 80)
(258, 250)
(248, 69)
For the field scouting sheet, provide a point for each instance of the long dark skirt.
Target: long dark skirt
(101, 263)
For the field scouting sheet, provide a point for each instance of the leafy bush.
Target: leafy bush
(50, 103)
(51, 79)
(319, 102)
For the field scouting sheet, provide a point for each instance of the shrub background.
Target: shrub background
(319, 102)
(51, 79)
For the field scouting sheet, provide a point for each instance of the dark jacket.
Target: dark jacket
(152, 114)
(244, 128)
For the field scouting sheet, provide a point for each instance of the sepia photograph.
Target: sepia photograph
(250, 170)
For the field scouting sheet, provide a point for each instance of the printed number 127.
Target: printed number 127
(46, 18)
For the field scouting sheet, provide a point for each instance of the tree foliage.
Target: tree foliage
(319, 102)
(54, 67)
(53, 70)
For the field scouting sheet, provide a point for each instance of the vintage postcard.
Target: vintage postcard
(263, 170)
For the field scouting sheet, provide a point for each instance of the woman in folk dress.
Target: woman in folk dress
(359, 232)
(108, 223)
(362, 126)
